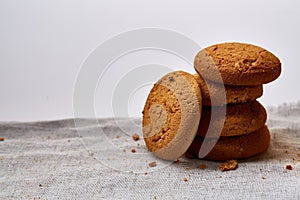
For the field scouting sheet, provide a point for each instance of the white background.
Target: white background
(43, 43)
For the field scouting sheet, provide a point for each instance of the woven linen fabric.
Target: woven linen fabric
(93, 159)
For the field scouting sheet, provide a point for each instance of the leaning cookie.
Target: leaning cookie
(238, 64)
(240, 119)
(237, 147)
(226, 94)
(171, 115)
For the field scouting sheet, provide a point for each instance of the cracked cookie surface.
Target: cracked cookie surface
(238, 64)
(171, 115)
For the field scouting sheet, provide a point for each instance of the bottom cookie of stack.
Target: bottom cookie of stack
(235, 147)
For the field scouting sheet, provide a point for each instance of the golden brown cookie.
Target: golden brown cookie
(234, 94)
(237, 147)
(240, 119)
(171, 115)
(238, 64)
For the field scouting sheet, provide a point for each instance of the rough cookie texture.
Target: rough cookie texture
(226, 94)
(238, 64)
(236, 147)
(171, 115)
(240, 119)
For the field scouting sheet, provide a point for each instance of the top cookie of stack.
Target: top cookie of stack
(243, 69)
(238, 64)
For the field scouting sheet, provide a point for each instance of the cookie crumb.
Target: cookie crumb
(154, 197)
(124, 150)
(133, 150)
(187, 168)
(229, 165)
(135, 137)
(289, 167)
(40, 185)
(177, 161)
(152, 164)
(117, 136)
(2, 139)
(202, 166)
(146, 173)
(220, 176)
(298, 154)
(263, 177)
(185, 179)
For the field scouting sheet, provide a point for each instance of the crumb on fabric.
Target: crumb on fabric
(2, 139)
(286, 151)
(117, 136)
(152, 164)
(289, 167)
(202, 166)
(187, 168)
(124, 150)
(298, 154)
(133, 150)
(263, 177)
(229, 165)
(177, 161)
(135, 137)
(185, 179)
(154, 197)
(40, 185)
(146, 173)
